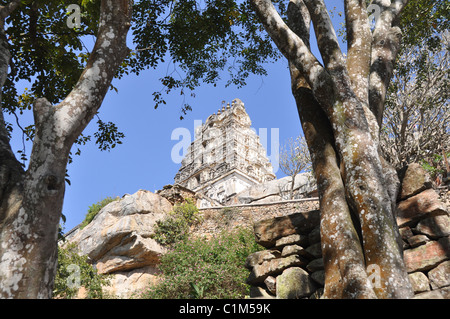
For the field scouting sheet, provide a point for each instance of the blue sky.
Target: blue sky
(144, 160)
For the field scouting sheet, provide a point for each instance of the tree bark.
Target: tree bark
(344, 98)
(31, 201)
(345, 274)
(291, 196)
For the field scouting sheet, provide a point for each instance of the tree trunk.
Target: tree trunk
(342, 129)
(31, 201)
(292, 186)
(345, 274)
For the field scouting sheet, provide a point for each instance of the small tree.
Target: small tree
(417, 115)
(295, 158)
(175, 227)
(94, 209)
(73, 272)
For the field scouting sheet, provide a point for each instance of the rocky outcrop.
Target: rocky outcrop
(176, 194)
(118, 242)
(292, 265)
(275, 190)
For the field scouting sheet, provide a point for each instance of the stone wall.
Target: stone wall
(217, 219)
(424, 223)
(292, 264)
(118, 240)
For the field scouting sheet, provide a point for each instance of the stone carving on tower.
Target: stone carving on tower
(225, 158)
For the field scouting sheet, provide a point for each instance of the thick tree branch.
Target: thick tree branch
(299, 20)
(327, 40)
(359, 40)
(385, 46)
(57, 127)
(83, 102)
(11, 172)
(345, 277)
(295, 50)
(389, 13)
(6, 10)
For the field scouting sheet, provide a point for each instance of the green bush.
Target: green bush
(175, 227)
(206, 269)
(434, 165)
(95, 208)
(73, 272)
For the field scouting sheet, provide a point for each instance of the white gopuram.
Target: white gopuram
(225, 158)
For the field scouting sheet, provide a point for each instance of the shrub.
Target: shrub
(434, 165)
(206, 269)
(175, 227)
(73, 272)
(95, 208)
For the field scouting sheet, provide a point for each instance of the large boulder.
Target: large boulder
(274, 267)
(294, 283)
(423, 205)
(118, 238)
(414, 181)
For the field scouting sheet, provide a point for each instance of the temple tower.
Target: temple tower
(226, 156)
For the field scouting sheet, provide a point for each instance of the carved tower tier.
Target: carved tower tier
(226, 156)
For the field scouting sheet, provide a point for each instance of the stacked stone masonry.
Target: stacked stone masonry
(292, 264)
(225, 158)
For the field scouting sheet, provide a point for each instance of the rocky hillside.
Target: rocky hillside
(275, 190)
(118, 240)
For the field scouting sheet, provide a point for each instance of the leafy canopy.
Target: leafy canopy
(201, 39)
